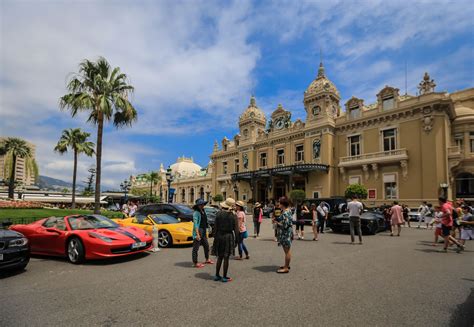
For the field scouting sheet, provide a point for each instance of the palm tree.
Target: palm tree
(153, 178)
(75, 139)
(13, 148)
(102, 92)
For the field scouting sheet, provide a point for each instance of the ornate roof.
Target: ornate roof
(185, 167)
(321, 84)
(253, 112)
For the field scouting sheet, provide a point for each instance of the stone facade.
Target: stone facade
(403, 147)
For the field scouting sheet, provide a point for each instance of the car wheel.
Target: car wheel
(164, 239)
(75, 250)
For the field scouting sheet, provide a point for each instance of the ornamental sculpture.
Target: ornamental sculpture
(316, 149)
(246, 161)
(427, 85)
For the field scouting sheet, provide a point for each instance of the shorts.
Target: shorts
(438, 231)
(446, 230)
(300, 225)
(427, 219)
(467, 234)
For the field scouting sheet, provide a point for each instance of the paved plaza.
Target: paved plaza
(388, 281)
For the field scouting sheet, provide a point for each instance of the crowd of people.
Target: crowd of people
(446, 219)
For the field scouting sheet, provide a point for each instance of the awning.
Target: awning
(63, 199)
(283, 170)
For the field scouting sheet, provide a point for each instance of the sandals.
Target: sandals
(208, 262)
(283, 271)
(198, 265)
(226, 279)
(284, 267)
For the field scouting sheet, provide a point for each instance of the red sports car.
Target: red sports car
(81, 237)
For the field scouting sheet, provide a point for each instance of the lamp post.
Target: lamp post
(125, 187)
(169, 179)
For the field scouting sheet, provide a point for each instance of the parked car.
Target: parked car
(334, 205)
(179, 211)
(171, 231)
(372, 222)
(414, 215)
(14, 250)
(83, 237)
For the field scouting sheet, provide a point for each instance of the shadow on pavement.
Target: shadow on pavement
(116, 260)
(11, 273)
(184, 264)
(266, 269)
(203, 275)
(345, 243)
(464, 314)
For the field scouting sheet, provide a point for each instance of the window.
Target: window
(280, 157)
(224, 195)
(299, 153)
(237, 166)
(225, 147)
(354, 145)
(388, 103)
(389, 139)
(246, 132)
(354, 112)
(315, 195)
(224, 167)
(390, 186)
(191, 195)
(263, 159)
(183, 195)
(354, 180)
(471, 141)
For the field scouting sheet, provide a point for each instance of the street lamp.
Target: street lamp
(125, 187)
(169, 179)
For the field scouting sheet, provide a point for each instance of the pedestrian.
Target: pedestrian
(132, 208)
(125, 209)
(322, 212)
(457, 217)
(276, 213)
(355, 208)
(200, 233)
(437, 222)
(301, 210)
(225, 238)
(406, 217)
(387, 217)
(314, 221)
(257, 219)
(447, 224)
(239, 207)
(467, 226)
(429, 216)
(285, 232)
(396, 213)
(422, 210)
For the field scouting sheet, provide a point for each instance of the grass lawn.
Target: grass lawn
(26, 216)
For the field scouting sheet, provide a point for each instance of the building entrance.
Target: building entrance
(261, 192)
(279, 190)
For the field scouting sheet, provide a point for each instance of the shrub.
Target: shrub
(297, 196)
(218, 198)
(356, 189)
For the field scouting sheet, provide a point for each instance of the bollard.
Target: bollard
(155, 240)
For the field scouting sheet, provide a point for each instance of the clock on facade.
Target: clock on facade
(326, 86)
(279, 123)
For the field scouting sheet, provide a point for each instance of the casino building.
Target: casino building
(404, 147)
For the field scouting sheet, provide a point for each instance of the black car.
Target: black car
(335, 205)
(179, 211)
(14, 250)
(211, 213)
(372, 222)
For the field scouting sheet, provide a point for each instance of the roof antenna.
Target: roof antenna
(406, 83)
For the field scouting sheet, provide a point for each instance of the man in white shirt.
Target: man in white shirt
(423, 211)
(355, 208)
(323, 212)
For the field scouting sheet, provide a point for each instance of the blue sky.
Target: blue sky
(195, 64)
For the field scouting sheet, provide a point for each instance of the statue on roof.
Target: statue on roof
(427, 85)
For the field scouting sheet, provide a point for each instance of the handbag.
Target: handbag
(245, 235)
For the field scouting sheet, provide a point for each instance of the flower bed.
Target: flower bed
(19, 204)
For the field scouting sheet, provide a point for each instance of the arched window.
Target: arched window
(201, 193)
(465, 185)
(191, 195)
(183, 195)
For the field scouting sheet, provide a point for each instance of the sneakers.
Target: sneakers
(208, 262)
(444, 250)
(460, 248)
(226, 279)
(198, 265)
(217, 278)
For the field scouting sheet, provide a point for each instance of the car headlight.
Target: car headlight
(18, 242)
(101, 237)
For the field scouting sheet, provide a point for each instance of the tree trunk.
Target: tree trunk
(100, 129)
(74, 173)
(151, 189)
(11, 184)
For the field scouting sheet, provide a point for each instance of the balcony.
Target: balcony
(223, 177)
(454, 152)
(393, 156)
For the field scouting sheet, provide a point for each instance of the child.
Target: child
(467, 226)
(437, 222)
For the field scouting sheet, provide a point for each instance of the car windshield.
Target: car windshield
(164, 219)
(91, 222)
(184, 209)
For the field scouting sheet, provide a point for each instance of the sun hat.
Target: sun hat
(228, 203)
(257, 204)
(240, 204)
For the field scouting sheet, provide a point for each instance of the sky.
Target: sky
(195, 64)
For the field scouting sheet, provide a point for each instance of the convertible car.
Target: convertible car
(170, 230)
(82, 237)
(371, 222)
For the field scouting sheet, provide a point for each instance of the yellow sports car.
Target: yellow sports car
(170, 230)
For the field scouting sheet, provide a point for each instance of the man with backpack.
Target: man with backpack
(423, 210)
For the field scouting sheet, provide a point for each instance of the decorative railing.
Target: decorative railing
(454, 150)
(397, 153)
